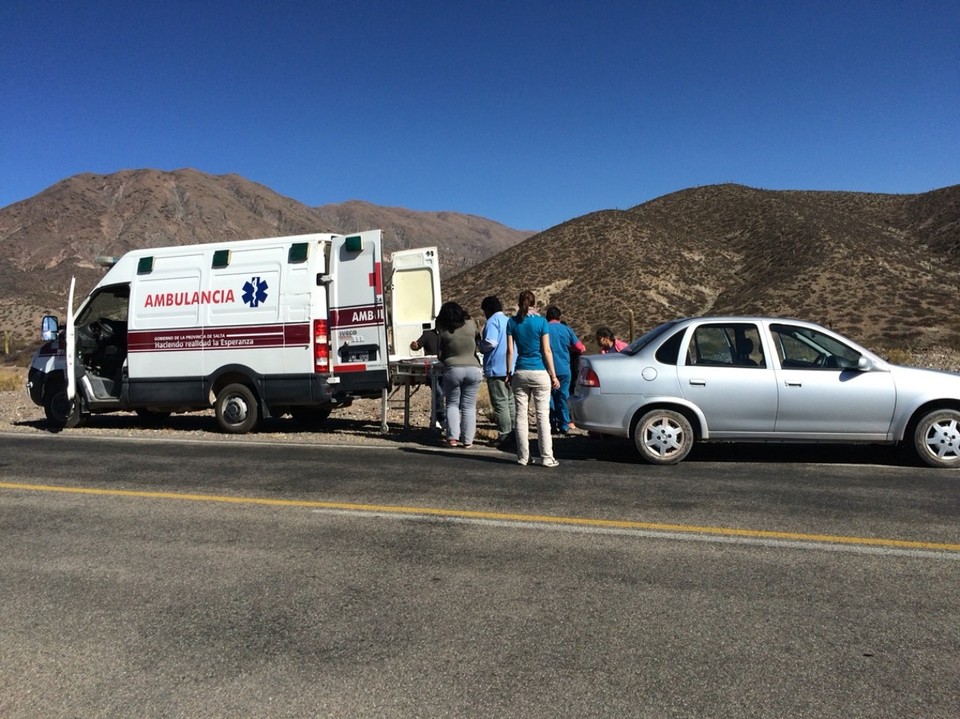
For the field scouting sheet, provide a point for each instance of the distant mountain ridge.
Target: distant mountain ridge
(884, 269)
(57, 233)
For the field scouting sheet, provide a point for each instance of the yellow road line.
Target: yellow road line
(500, 516)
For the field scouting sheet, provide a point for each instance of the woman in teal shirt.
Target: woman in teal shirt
(528, 339)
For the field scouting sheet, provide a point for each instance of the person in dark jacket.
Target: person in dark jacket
(429, 341)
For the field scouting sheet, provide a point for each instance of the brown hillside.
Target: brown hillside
(463, 240)
(47, 238)
(881, 268)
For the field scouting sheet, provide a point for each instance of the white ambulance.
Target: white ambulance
(254, 328)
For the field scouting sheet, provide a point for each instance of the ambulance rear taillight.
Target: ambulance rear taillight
(321, 346)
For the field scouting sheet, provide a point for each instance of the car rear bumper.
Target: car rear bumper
(595, 413)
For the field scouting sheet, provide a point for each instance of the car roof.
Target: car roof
(745, 318)
(765, 319)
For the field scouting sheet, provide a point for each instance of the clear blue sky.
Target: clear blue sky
(528, 113)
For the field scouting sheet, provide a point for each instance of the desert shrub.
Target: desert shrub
(10, 380)
(19, 355)
(899, 356)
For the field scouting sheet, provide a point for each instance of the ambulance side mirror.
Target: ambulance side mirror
(49, 328)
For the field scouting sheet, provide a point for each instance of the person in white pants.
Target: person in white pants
(528, 339)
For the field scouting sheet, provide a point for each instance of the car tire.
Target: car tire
(663, 436)
(936, 439)
(61, 413)
(236, 407)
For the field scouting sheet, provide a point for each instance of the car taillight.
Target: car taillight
(321, 346)
(588, 378)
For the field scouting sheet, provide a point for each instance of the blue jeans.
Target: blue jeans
(559, 412)
(460, 386)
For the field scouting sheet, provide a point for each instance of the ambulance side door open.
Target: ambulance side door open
(70, 337)
(414, 296)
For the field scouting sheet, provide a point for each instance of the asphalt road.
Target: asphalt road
(208, 579)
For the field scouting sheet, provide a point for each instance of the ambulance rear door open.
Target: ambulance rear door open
(414, 296)
(357, 328)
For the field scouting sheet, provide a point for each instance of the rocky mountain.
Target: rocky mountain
(58, 233)
(463, 240)
(884, 269)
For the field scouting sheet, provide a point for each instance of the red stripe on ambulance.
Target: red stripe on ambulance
(187, 339)
(360, 316)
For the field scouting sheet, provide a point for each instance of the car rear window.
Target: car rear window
(641, 342)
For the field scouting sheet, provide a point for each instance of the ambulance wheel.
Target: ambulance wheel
(61, 412)
(236, 409)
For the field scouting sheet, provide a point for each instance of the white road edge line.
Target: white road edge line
(652, 534)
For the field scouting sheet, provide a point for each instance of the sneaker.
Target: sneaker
(522, 462)
(551, 462)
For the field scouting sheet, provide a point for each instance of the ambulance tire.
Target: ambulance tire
(60, 412)
(310, 417)
(237, 410)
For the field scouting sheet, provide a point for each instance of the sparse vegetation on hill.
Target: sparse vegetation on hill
(58, 233)
(884, 269)
(881, 268)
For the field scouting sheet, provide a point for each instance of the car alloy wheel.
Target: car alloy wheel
(937, 438)
(663, 436)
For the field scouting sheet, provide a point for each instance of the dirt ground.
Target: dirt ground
(360, 423)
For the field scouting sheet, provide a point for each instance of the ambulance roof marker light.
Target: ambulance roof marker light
(298, 252)
(221, 259)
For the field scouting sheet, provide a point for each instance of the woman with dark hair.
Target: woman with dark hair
(608, 341)
(461, 374)
(528, 339)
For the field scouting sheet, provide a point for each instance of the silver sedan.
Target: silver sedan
(761, 379)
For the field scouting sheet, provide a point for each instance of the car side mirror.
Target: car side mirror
(49, 328)
(864, 364)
